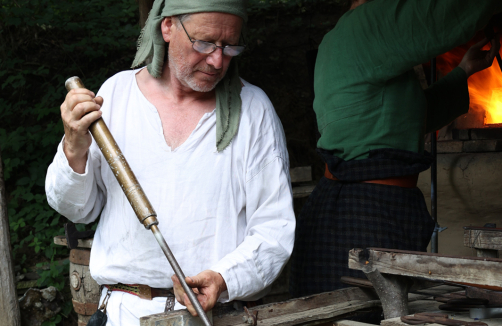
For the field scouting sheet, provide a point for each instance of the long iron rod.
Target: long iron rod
(135, 194)
(177, 270)
(434, 200)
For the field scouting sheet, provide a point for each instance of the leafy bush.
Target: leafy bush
(43, 43)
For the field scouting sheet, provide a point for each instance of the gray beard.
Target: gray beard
(184, 73)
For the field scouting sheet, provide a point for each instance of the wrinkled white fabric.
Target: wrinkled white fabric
(230, 212)
(124, 309)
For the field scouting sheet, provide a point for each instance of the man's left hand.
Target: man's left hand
(476, 59)
(207, 286)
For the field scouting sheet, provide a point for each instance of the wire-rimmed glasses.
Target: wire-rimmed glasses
(208, 47)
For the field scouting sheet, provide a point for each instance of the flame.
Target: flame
(485, 87)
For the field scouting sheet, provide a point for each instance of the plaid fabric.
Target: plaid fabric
(342, 215)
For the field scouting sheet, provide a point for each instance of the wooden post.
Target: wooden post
(392, 291)
(486, 241)
(144, 8)
(9, 306)
(483, 272)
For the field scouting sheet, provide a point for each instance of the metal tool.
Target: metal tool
(134, 193)
(485, 313)
(434, 173)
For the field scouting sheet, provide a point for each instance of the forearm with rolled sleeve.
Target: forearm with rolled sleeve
(78, 197)
(269, 236)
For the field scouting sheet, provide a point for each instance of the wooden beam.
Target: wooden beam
(457, 315)
(494, 297)
(9, 306)
(303, 191)
(472, 270)
(301, 174)
(311, 309)
(483, 239)
(82, 243)
(144, 8)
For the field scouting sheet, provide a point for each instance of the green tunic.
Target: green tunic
(367, 95)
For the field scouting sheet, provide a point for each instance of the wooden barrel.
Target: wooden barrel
(84, 290)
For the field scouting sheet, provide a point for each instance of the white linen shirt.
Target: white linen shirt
(230, 212)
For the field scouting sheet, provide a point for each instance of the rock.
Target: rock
(49, 293)
(38, 305)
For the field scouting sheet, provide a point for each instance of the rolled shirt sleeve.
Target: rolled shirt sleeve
(268, 243)
(270, 222)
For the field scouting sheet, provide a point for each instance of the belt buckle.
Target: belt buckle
(144, 292)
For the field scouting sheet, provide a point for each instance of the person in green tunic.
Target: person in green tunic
(372, 115)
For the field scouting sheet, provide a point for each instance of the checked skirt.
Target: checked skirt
(342, 215)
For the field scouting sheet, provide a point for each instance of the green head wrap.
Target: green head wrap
(151, 45)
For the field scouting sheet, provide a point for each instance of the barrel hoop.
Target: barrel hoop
(86, 309)
(80, 256)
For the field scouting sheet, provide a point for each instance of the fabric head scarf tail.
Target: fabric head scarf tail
(151, 44)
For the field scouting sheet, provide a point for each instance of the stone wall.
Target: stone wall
(469, 194)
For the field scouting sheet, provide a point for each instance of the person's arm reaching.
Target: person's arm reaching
(448, 98)
(390, 36)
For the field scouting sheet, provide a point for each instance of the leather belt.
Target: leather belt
(140, 290)
(407, 181)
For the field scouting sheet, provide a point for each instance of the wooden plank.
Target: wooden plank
(61, 240)
(324, 314)
(275, 310)
(26, 284)
(324, 306)
(9, 306)
(423, 305)
(494, 297)
(483, 239)
(464, 316)
(345, 322)
(482, 271)
(301, 174)
(422, 294)
(303, 191)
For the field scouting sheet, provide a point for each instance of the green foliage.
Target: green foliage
(52, 274)
(43, 43)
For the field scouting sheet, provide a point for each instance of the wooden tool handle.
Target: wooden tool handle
(120, 168)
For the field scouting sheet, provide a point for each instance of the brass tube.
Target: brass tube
(135, 194)
(117, 162)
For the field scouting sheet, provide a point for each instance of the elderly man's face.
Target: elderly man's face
(201, 72)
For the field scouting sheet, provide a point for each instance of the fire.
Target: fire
(485, 87)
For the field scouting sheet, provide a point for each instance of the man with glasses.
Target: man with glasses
(209, 152)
